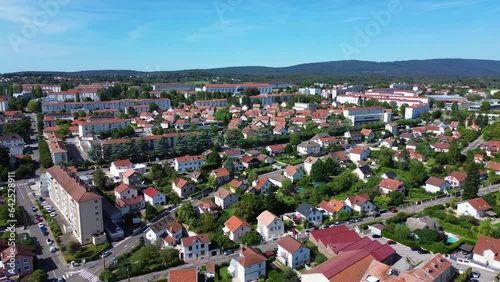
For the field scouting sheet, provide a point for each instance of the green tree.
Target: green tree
(151, 212)
(214, 158)
(153, 107)
(251, 238)
(318, 173)
(34, 106)
(426, 236)
(402, 232)
(454, 155)
(471, 183)
(385, 158)
(404, 160)
(288, 149)
(100, 179)
(45, 156)
(437, 114)
(295, 139)
(38, 276)
(232, 137)
(251, 91)
(485, 106)
(223, 115)
(331, 167)
(485, 228)
(454, 107)
(187, 214)
(290, 276)
(108, 276)
(396, 198)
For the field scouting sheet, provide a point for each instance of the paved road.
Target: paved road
(49, 262)
(473, 145)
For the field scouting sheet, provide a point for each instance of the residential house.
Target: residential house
(308, 163)
(479, 159)
(424, 222)
(275, 150)
(359, 154)
(194, 247)
(188, 163)
(195, 176)
(167, 228)
(221, 175)
(354, 136)
(183, 188)
(486, 251)
(250, 265)
(435, 185)
(389, 185)
(262, 184)
(16, 261)
(224, 198)
(367, 134)
(183, 275)
(14, 142)
(236, 184)
(130, 205)
(248, 132)
(340, 157)
(363, 172)
(206, 207)
(360, 203)
(294, 173)
(250, 162)
(269, 225)
(392, 128)
(388, 174)
(491, 147)
(333, 207)
(493, 166)
(280, 130)
(118, 167)
(235, 228)
(132, 177)
(154, 197)
(456, 179)
(476, 207)
(124, 191)
(389, 143)
(308, 148)
(313, 215)
(292, 253)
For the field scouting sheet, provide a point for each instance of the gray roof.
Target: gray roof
(390, 175)
(305, 209)
(414, 223)
(366, 170)
(163, 223)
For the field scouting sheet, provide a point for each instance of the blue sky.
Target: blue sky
(150, 35)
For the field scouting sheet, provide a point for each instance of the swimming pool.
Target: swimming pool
(451, 238)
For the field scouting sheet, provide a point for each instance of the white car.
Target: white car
(53, 214)
(50, 242)
(53, 249)
(41, 225)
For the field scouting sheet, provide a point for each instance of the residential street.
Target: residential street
(473, 145)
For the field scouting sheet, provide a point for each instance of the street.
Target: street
(473, 145)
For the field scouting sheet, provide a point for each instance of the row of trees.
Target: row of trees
(21, 127)
(45, 156)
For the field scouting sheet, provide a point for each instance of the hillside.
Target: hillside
(434, 67)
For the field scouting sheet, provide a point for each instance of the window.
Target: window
(190, 248)
(25, 260)
(27, 267)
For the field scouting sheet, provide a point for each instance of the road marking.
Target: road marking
(89, 276)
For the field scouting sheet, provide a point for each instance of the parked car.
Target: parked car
(228, 252)
(39, 219)
(53, 249)
(41, 225)
(53, 214)
(50, 242)
(423, 252)
(34, 209)
(390, 242)
(476, 274)
(375, 236)
(106, 254)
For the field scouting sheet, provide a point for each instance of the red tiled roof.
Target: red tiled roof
(487, 243)
(460, 176)
(390, 184)
(435, 181)
(290, 244)
(179, 183)
(266, 218)
(72, 187)
(493, 165)
(183, 275)
(250, 257)
(122, 163)
(188, 158)
(479, 204)
(234, 223)
(151, 192)
(122, 187)
(189, 241)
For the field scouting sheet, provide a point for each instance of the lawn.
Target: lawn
(224, 275)
(419, 194)
(291, 160)
(274, 276)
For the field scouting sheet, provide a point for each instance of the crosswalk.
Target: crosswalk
(89, 276)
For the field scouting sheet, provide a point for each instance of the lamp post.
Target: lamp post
(128, 273)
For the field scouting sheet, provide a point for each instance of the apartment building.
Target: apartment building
(4, 103)
(44, 87)
(360, 115)
(101, 125)
(211, 103)
(268, 99)
(14, 142)
(163, 104)
(57, 148)
(263, 88)
(80, 205)
(188, 163)
(165, 87)
(415, 111)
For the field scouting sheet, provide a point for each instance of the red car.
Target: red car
(390, 242)
(39, 219)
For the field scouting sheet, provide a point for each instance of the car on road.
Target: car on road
(34, 209)
(390, 242)
(473, 280)
(375, 236)
(41, 225)
(53, 249)
(53, 214)
(106, 254)
(228, 252)
(476, 274)
(308, 232)
(50, 242)
(60, 279)
(39, 219)
(423, 252)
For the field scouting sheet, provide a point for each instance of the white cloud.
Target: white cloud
(453, 4)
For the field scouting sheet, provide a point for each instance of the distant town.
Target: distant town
(248, 181)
